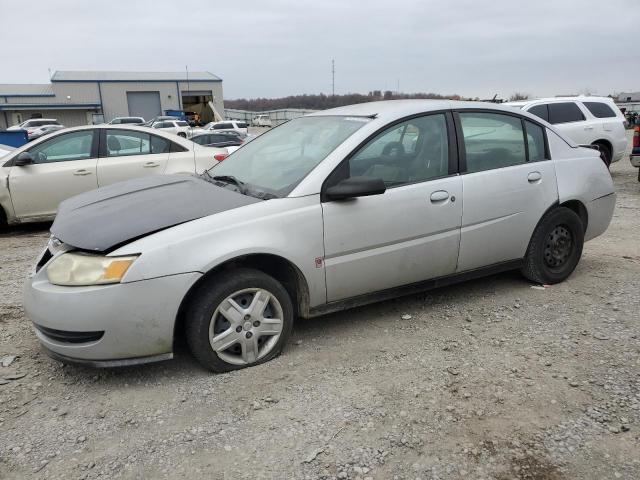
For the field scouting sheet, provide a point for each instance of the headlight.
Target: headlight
(76, 269)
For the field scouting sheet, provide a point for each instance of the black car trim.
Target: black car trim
(413, 288)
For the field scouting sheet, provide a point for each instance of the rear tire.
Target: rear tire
(227, 326)
(555, 247)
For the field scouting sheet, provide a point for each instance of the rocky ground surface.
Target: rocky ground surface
(492, 379)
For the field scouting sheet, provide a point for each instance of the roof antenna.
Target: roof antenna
(186, 67)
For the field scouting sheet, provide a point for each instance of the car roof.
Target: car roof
(41, 120)
(580, 98)
(389, 110)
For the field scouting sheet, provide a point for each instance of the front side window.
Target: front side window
(492, 140)
(64, 148)
(413, 151)
(565, 112)
(600, 109)
(276, 161)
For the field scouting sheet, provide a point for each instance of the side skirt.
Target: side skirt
(413, 288)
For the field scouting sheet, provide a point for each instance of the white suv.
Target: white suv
(261, 121)
(586, 120)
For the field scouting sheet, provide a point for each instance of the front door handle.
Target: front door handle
(439, 196)
(534, 177)
(82, 172)
(151, 165)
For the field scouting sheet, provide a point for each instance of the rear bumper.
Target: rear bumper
(600, 212)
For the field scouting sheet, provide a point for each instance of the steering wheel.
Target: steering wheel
(395, 147)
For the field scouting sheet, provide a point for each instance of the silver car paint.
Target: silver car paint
(292, 228)
(384, 241)
(137, 318)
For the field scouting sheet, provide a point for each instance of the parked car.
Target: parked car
(177, 127)
(335, 209)
(635, 151)
(157, 119)
(127, 120)
(34, 133)
(586, 120)
(218, 140)
(261, 121)
(36, 177)
(34, 123)
(228, 125)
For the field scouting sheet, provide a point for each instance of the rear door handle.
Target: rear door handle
(82, 172)
(151, 165)
(534, 177)
(439, 196)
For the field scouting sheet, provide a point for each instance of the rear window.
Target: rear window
(600, 110)
(564, 113)
(130, 120)
(221, 126)
(242, 124)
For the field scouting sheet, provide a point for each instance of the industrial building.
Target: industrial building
(83, 97)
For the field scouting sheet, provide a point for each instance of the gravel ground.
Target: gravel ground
(491, 379)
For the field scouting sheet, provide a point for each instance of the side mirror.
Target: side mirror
(23, 159)
(356, 187)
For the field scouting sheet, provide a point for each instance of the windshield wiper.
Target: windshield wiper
(229, 179)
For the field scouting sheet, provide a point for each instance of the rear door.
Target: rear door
(508, 183)
(126, 154)
(571, 120)
(412, 231)
(64, 166)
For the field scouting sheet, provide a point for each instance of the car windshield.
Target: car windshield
(275, 162)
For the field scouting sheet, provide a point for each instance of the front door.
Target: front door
(508, 186)
(64, 166)
(128, 154)
(412, 231)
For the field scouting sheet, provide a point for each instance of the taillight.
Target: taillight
(636, 137)
(220, 156)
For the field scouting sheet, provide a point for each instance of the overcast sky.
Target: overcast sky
(275, 48)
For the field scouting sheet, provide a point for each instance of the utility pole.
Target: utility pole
(333, 78)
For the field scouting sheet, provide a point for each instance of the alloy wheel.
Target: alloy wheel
(246, 326)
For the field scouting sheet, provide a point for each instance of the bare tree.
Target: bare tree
(518, 96)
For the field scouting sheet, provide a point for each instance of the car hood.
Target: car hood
(106, 218)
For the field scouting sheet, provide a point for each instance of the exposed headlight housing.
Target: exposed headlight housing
(81, 269)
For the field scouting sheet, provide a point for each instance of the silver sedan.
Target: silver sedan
(336, 209)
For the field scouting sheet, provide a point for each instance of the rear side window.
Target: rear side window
(540, 111)
(492, 140)
(160, 145)
(177, 148)
(535, 141)
(564, 113)
(182, 124)
(122, 143)
(201, 140)
(600, 110)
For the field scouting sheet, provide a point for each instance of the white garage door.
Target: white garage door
(144, 104)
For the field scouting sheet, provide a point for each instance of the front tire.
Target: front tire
(555, 247)
(238, 319)
(182, 134)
